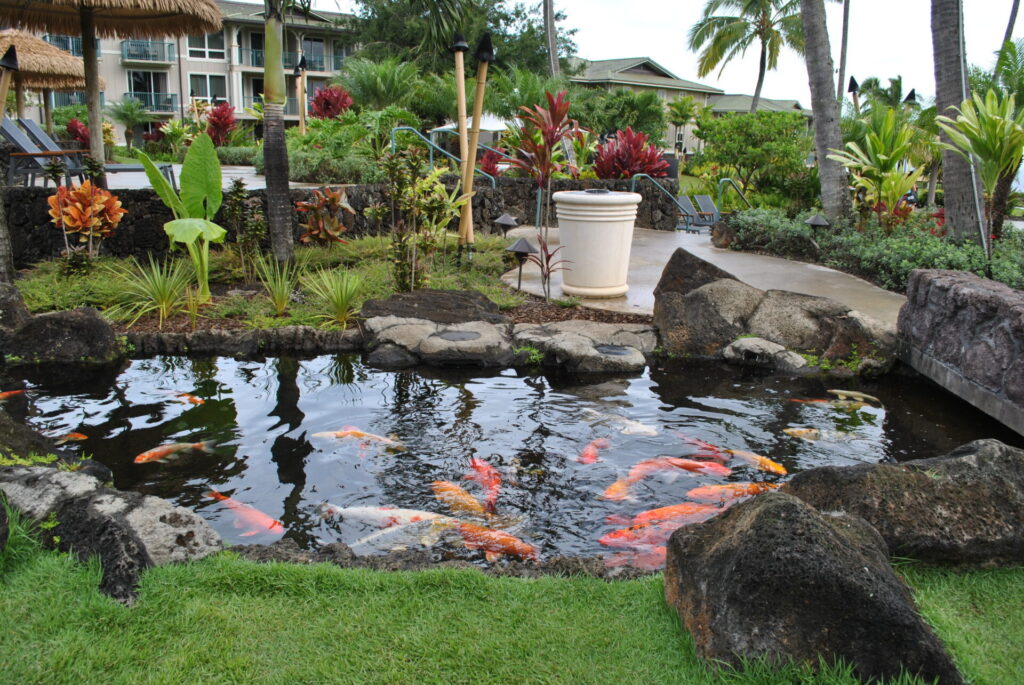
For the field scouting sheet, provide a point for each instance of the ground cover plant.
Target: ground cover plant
(231, 620)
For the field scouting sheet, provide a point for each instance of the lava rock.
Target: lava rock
(64, 347)
(390, 357)
(686, 272)
(13, 312)
(245, 344)
(20, 440)
(475, 343)
(588, 347)
(439, 306)
(703, 320)
(771, 577)
(963, 508)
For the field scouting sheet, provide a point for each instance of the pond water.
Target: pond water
(260, 420)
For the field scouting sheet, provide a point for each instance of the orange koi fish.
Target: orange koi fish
(645, 558)
(9, 394)
(723, 493)
(457, 499)
(71, 437)
(495, 543)
(759, 462)
(353, 432)
(705, 449)
(644, 534)
(191, 399)
(590, 453)
(814, 401)
(687, 512)
(617, 491)
(254, 520)
(649, 466)
(172, 450)
(488, 478)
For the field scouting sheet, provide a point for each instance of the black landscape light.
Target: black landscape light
(853, 87)
(521, 249)
(505, 222)
(817, 221)
(459, 44)
(8, 65)
(300, 67)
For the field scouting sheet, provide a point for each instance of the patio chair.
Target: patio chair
(28, 161)
(707, 206)
(697, 218)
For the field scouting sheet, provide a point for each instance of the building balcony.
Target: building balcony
(250, 58)
(76, 97)
(72, 44)
(160, 103)
(339, 60)
(147, 51)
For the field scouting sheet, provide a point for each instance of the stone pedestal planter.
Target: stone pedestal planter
(596, 231)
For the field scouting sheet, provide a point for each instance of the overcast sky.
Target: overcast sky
(887, 38)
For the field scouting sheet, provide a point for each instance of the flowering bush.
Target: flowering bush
(220, 122)
(628, 154)
(489, 162)
(91, 212)
(329, 102)
(78, 131)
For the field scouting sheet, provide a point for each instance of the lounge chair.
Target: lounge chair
(697, 218)
(707, 206)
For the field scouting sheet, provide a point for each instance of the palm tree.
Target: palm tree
(376, 85)
(681, 112)
(551, 35)
(275, 150)
(835, 194)
(513, 88)
(840, 88)
(129, 113)
(892, 96)
(772, 23)
(1009, 76)
(1011, 22)
(960, 183)
(6, 250)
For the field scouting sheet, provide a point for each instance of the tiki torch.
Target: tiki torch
(484, 55)
(459, 47)
(8, 65)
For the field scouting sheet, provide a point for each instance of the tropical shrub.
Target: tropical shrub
(88, 211)
(755, 145)
(323, 216)
(62, 115)
(329, 102)
(237, 156)
(377, 85)
(220, 122)
(605, 112)
(156, 288)
(627, 154)
(244, 216)
(129, 113)
(279, 279)
(78, 131)
(489, 161)
(337, 291)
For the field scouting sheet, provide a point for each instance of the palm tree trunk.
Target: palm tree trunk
(275, 151)
(933, 183)
(551, 33)
(960, 185)
(90, 60)
(6, 249)
(835, 193)
(760, 77)
(842, 51)
(1000, 198)
(1009, 24)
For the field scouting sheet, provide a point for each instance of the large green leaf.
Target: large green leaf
(200, 179)
(187, 231)
(162, 187)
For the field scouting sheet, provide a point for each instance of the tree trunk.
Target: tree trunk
(275, 150)
(90, 60)
(1009, 24)
(6, 249)
(835, 193)
(551, 33)
(760, 77)
(962, 199)
(840, 89)
(933, 182)
(1000, 198)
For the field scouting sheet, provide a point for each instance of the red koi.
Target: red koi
(488, 478)
(590, 453)
(254, 520)
(9, 394)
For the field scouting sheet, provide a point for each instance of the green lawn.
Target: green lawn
(228, 620)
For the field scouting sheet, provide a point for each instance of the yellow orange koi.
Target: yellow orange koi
(728, 491)
(495, 543)
(759, 462)
(168, 451)
(457, 499)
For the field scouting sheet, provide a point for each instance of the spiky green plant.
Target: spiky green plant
(279, 279)
(159, 287)
(337, 291)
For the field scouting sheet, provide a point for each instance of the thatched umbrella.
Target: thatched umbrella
(41, 66)
(108, 19)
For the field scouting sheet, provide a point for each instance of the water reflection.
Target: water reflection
(262, 417)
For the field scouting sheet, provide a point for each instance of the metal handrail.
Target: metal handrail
(632, 189)
(736, 188)
(431, 147)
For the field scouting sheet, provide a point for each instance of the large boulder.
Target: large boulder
(586, 346)
(685, 272)
(13, 311)
(405, 342)
(965, 507)
(703, 320)
(774, 578)
(19, 440)
(64, 347)
(128, 531)
(439, 306)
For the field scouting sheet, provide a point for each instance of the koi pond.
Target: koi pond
(472, 462)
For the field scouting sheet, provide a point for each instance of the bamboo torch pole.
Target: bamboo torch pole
(484, 55)
(8, 65)
(460, 47)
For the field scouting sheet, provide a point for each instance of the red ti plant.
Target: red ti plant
(220, 122)
(547, 263)
(544, 129)
(329, 102)
(489, 162)
(78, 131)
(628, 154)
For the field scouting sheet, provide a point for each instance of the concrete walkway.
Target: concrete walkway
(652, 249)
(253, 181)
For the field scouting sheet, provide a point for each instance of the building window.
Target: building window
(211, 87)
(147, 82)
(210, 46)
(313, 50)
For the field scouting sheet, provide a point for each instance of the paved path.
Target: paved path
(652, 249)
(253, 181)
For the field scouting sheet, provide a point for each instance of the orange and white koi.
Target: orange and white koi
(759, 462)
(253, 520)
(174, 449)
(189, 398)
(457, 499)
(353, 432)
(687, 512)
(488, 478)
(729, 491)
(70, 437)
(495, 543)
(382, 517)
(590, 453)
(4, 396)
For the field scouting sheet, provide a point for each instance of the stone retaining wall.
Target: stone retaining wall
(966, 333)
(141, 229)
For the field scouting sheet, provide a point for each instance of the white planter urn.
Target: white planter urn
(595, 228)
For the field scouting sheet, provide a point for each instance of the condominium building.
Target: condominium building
(166, 76)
